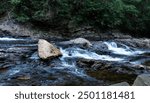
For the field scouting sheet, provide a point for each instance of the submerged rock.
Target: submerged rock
(47, 50)
(142, 80)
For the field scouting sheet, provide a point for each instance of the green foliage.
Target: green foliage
(46, 12)
(104, 14)
(137, 16)
(129, 15)
(15, 2)
(4, 6)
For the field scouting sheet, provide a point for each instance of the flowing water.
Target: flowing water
(19, 61)
(123, 49)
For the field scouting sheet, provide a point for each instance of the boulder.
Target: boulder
(78, 41)
(142, 80)
(81, 41)
(46, 50)
(121, 84)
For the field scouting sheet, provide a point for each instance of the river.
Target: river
(20, 64)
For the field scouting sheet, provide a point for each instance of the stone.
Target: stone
(46, 50)
(142, 80)
(100, 47)
(85, 63)
(81, 41)
(2, 70)
(25, 77)
(121, 84)
(78, 41)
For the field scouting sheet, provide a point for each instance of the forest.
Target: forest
(131, 16)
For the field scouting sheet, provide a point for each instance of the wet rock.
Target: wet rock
(5, 65)
(90, 33)
(136, 43)
(146, 54)
(147, 63)
(113, 35)
(81, 41)
(47, 50)
(142, 80)
(3, 56)
(85, 63)
(24, 77)
(2, 70)
(121, 84)
(100, 47)
(78, 41)
(111, 76)
(40, 75)
(110, 71)
(120, 35)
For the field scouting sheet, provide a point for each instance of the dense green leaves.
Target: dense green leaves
(4, 6)
(129, 15)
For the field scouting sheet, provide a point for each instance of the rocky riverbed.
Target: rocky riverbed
(83, 62)
(85, 57)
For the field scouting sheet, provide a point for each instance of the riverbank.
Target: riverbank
(9, 27)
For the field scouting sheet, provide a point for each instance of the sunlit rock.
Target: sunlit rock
(46, 50)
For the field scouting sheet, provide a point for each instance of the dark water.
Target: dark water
(20, 64)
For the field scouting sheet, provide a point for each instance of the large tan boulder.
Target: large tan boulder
(46, 50)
